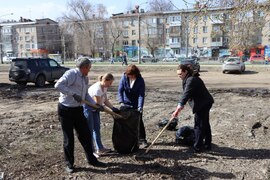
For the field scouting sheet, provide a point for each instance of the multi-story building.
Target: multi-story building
(28, 38)
(205, 33)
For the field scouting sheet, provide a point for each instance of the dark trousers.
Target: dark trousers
(73, 118)
(202, 128)
(142, 135)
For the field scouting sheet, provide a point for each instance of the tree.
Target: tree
(239, 21)
(160, 5)
(85, 19)
(153, 39)
(116, 31)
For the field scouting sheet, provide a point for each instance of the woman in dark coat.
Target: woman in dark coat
(200, 100)
(131, 92)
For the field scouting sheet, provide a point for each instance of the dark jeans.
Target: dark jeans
(202, 128)
(73, 118)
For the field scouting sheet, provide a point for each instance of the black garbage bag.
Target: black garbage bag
(171, 126)
(125, 134)
(185, 136)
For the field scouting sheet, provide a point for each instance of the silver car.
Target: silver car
(233, 64)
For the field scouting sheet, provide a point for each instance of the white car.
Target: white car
(7, 59)
(148, 58)
(169, 59)
(233, 64)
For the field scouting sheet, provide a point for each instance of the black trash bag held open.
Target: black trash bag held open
(185, 136)
(125, 134)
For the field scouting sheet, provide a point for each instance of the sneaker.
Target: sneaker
(196, 150)
(143, 143)
(208, 147)
(98, 164)
(69, 169)
(96, 155)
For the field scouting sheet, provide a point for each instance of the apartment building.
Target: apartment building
(28, 38)
(184, 32)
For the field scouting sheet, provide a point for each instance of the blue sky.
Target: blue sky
(37, 9)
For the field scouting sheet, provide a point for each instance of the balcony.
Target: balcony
(175, 45)
(217, 21)
(216, 44)
(175, 23)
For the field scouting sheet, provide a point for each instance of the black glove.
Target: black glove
(77, 98)
(99, 107)
(116, 110)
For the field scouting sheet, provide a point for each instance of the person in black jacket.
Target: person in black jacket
(200, 100)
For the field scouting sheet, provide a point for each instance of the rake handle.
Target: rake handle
(149, 147)
(107, 110)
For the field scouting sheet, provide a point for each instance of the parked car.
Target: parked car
(169, 59)
(223, 57)
(36, 70)
(256, 58)
(7, 59)
(133, 59)
(148, 58)
(233, 64)
(193, 62)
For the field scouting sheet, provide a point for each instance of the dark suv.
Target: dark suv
(36, 70)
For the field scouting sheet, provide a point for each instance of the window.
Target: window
(205, 18)
(174, 40)
(125, 43)
(133, 42)
(175, 29)
(151, 20)
(215, 17)
(218, 39)
(174, 18)
(152, 31)
(43, 63)
(125, 33)
(195, 30)
(53, 63)
(160, 20)
(27, 30)
(27, 38)
(205, 30)
(216, 28)
(125, 23)
(133, 32)
(27, 46)
(204, 40)
(195, 40)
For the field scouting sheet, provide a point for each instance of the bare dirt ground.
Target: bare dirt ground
(31, 136)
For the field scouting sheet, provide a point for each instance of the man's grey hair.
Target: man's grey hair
(82, 62)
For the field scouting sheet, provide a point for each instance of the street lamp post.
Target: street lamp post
(186, 18)
(139, 31)
(139, 34)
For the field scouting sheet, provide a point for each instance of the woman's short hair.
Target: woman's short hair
(133, 70)
(185, 67)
